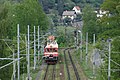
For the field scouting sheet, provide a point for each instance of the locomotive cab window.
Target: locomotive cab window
(47, 50)
(51, 50)
(55, 50)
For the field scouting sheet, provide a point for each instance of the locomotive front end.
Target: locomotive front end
(51, 51)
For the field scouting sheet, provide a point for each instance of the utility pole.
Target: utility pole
(75, 34)
(34, 48)
(66, 33)
(80, 46)
(26, 46)
(93, 54)
(86, 46)
(77, 41)
(38, 44)
(18, 52)
(14, 64)
(109, 57)
(28, 55)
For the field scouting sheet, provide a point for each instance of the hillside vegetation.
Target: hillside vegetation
(12, 12)
(46, 13)
(61, 5)
(106, 28)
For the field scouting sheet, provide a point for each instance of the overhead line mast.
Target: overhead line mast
(18, 52)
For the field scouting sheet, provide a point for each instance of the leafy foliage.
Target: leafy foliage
(110, 29)
(89, 19)
(25, 12)
(67, 4)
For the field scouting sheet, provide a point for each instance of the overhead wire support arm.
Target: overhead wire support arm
(8, 45)
(10, 63)
(112, 60)
(7, 59)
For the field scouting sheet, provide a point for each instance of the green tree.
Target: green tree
(109, 23)
(29, 12)
(26, 12)
(113, 7)
(89, 20)
(48, 4)
(5, 33)
(68, 5)
(110, 28)
(60, 6)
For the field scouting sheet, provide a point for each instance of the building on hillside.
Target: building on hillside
(77, 9)
(100, 13)
(69, 14)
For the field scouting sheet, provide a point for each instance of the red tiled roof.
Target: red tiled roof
(77, 7)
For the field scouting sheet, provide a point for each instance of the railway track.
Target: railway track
(53, 72)
(68, 72)
(46, 73)
(56, 72)
(49, 76)
(73, 65)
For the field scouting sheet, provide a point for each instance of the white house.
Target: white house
(77, 9)
(100, 13)
(69, 14)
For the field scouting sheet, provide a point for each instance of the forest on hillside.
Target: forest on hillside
(54, 8)
(61, 5)
(107, 30)
(46, 12)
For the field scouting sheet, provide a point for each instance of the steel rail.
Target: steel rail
(74, 67)
(46, 73)
(53, 73)
(66, 65)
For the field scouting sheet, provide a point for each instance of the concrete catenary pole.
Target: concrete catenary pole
(18, 52)
(109, 57)
(86, 46)
(34, 48)
(77, 41)
(28, 55)
(38, 44)
(14, 66)
(93, 54)
(80, 45)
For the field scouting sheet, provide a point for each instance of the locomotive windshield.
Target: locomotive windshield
(51, 50)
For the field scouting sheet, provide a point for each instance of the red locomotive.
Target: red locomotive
(51, 50)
